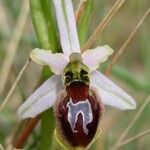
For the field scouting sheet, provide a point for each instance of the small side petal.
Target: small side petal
(56, 62)
(110, 93)
(93, 57)
(42, 99)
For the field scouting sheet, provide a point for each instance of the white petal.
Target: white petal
(42, 99)
(93, 57)
(56, 62)
(67, 26)
(110, 93)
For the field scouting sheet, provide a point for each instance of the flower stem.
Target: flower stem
(44, 25)
(47, 129)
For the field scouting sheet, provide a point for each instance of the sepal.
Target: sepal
(110, 93)
(42, 99)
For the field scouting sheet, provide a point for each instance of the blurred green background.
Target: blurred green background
(132, 71)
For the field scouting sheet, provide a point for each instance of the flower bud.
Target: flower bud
(78, 112)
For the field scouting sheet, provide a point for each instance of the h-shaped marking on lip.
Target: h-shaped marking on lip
(83, 108)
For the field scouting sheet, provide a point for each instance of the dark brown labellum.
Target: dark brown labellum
(78, 114)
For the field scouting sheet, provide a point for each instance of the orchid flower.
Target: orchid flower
(77, 90)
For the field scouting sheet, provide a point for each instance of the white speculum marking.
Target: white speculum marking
(83, 108)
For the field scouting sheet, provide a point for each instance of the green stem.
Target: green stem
(42, 17)
(47, 120)
(84, 22)
(44, 25)
(47, 129)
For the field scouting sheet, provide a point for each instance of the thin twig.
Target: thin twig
(103, 24)
(136, 137)
(126, 43)
(133, 120)
(79, 10)
(26, 132)
(14, 85)
(13, 44)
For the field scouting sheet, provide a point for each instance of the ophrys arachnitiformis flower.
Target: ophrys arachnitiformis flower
(77, 90)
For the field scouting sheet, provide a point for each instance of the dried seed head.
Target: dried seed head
(78, 113)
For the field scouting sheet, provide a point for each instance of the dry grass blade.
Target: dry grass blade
(103, 24)
(26, 132)
(14, 85)
(19, 126)
(13, 44)
(136, 137)
(133, 120)
(126, 43)
(79, 10)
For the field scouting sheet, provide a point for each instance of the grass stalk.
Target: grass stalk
(80, 10)
(103, 24)
(14, 85)
(136, 137)
(13, 44)
(133, 121)
(126, 43)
